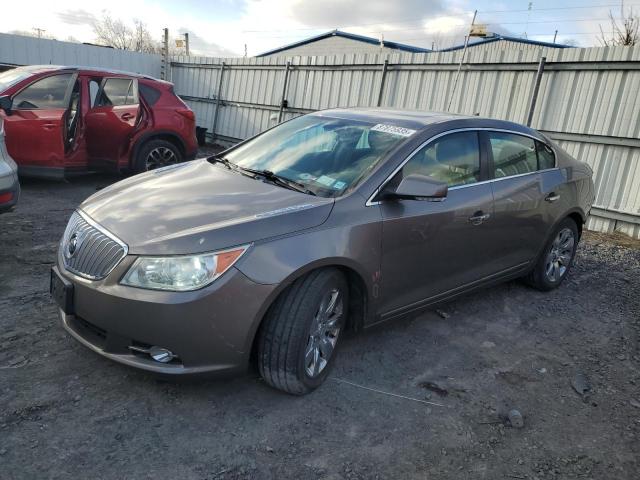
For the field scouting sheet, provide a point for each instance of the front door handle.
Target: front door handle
(126, 116)
(552, 197)
(479, 217)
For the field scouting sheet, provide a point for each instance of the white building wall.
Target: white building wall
(334, 45)
(20, 50)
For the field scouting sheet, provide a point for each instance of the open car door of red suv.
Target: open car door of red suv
(112, 120)
(37, 127)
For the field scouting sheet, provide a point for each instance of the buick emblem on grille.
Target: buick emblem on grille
(72, 245)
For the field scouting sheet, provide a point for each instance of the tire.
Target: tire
(549, 273)
(156, 154)
(294, 326)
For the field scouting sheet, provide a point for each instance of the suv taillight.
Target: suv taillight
(187, 113)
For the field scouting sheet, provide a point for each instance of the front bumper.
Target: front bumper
(210, 330)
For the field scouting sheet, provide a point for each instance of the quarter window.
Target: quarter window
(116, 92)
(512, 154)
(50, 92)
(453, 159)
(546, 158)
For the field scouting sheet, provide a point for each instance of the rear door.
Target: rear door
(433, 248)
(526, 187)
(36, 130)
(112, 119)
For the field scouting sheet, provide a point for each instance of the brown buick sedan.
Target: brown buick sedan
(336, 220)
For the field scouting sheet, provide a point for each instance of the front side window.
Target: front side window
(327, 155)
(453, 159)
(49, 92)
(116, 92)
(512, 154)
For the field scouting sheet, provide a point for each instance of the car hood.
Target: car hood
(198, 207)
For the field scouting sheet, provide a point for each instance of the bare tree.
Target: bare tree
(113, 32)
(624, 30)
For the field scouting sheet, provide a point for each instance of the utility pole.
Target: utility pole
(554, 36)
(164, 72)
(39, 31)
(245, 50)
(464, 51)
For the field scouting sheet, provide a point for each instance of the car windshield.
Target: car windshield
(11, 77)
(326, 155)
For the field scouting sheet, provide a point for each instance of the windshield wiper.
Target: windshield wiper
(279, 180)
(218, 159)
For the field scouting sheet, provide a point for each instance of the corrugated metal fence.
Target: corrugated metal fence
(16, 50)
(588, 101)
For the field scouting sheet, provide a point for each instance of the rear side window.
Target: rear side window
(116, 92)
(49, 92)
(512, 154)
(546, 157)
(150, 94)
(453, 159)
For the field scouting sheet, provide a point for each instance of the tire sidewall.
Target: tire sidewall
(140, 164)
(335, 280)
(540, 268)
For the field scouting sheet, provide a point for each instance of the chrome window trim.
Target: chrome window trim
(104, 231)
(370, 202)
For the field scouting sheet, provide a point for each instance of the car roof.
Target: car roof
(421, 119)
(37, 69)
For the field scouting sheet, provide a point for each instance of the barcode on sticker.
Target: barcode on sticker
(393, 130)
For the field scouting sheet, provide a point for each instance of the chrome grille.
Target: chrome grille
(88, 250)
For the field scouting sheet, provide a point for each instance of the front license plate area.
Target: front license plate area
(61, 290)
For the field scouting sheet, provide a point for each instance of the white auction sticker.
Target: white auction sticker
(393, 130)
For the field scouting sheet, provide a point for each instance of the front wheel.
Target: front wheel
(156, 154)
(297, 342)
(556, 260)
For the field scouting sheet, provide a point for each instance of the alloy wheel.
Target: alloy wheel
(160, 157)
(323, 334)
(560, 255)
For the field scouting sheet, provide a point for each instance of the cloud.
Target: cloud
(337, 13)
(76, 17)
(201, 46)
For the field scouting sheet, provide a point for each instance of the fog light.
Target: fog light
(160, 354)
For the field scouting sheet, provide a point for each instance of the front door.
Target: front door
(36, 129)
(432, 248)
(111, 120)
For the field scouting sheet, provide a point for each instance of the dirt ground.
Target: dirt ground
(67, 413)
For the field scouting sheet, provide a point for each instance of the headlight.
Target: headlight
(181, 273)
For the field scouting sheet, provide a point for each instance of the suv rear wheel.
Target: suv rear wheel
(156, 154)
(297, 342)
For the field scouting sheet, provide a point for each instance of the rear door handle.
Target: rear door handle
(48, 126)
(479, 217)
(126, 116)
(552, 197)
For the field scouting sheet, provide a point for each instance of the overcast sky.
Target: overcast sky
(223, 27)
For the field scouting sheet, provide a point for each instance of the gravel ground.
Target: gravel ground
(68, 413)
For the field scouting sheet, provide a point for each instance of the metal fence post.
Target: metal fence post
(218, 101)
(284, 91)
(536, 88)
(385, 67)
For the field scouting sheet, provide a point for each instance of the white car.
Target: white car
(9, 185)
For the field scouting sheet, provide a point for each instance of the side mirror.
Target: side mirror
(6, 104)
(418, 187)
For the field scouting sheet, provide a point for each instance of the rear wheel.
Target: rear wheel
(156, 154)
(557, 257)
(298, 339)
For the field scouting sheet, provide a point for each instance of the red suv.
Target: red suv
(59, 120)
